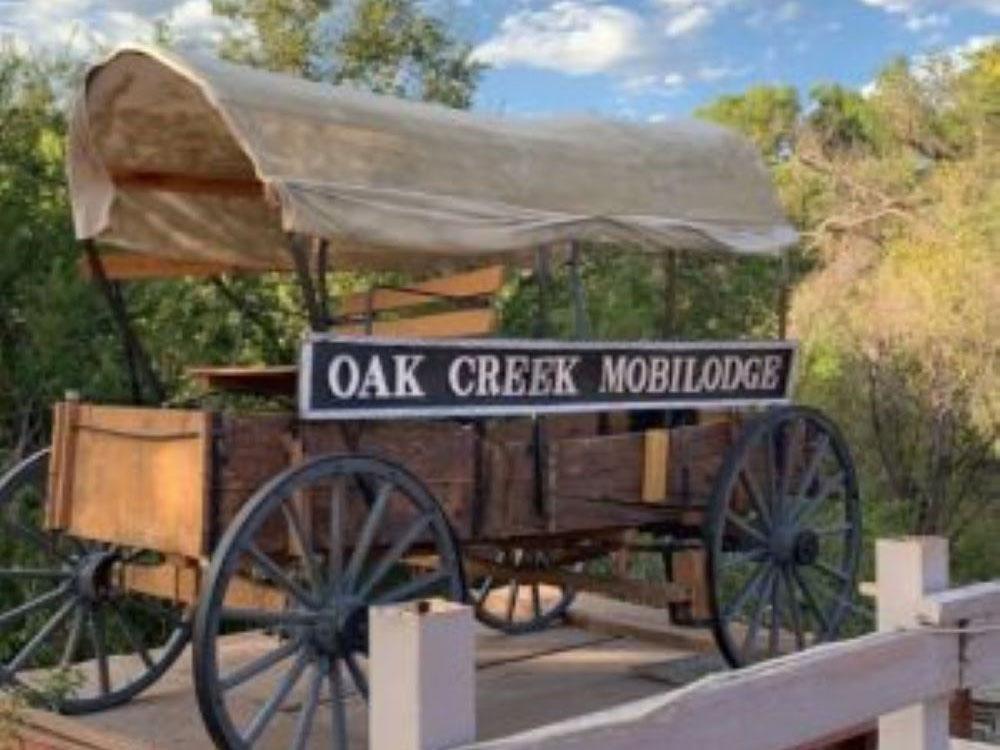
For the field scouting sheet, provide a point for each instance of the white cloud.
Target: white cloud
(673, 80)
(917, 23)
(910, 8)
(570, 36)
(712, 73)
(687, 21)
(82, 25)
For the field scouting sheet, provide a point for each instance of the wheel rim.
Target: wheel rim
(498, 600)
(74, 638)
(784, 537)
(331, 537)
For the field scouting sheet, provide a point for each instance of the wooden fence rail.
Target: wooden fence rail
(932, 642)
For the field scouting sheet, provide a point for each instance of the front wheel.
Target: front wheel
(290, 585)
(783, 537)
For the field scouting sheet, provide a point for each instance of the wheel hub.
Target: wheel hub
(792, 544)
(806, 547)
(93, 575)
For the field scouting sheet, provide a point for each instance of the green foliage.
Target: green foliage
(388, 46)
(768, 115)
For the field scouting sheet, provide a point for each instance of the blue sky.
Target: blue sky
(638, 59)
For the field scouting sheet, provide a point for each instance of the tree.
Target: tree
(901, 340)
(388, 46)
(768, 115)
(54, 332)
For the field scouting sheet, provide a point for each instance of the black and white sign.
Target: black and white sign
(345, 377)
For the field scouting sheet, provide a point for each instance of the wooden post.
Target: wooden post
(906, 570)
(422, 676)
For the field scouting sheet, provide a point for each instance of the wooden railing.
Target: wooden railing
(932, 642)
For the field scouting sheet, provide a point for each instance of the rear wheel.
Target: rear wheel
(290, 585)
(510, 604)
(73, 637)
(784, 537)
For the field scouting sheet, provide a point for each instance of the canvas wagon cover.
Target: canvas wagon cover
(186, 158)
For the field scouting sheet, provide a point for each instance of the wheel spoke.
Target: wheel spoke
(759, 503)
(278, 576)
(97, 640)
(360, 681)
(367, 536)
(752, 584)
(395, 553)
(303, 727)
(259, 665)
(812, 468)
(793, 606)
(513, 589)
(31, 646)
(756, 615)
(335, 562)
(338, 716)
(73, 640)
(305, 548)
(413, 587)
(746, 528)
(775, 635)
(770, 460)
(837, 575)
(536, 600)
(134, 641)
(811, 602)
(825, 490)
(267, 711)
(30, 606)
(30, 573)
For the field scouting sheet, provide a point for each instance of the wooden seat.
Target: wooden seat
(471, 292)
(470, 295)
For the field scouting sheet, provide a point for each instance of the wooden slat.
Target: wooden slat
(476, 322)
(135, 266)
(61, 464)
(656, 466)
(181, 584)
(973, 602)
(481, 282)
(273, 381)
(190, 184)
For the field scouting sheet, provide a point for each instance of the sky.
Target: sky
(632, 59)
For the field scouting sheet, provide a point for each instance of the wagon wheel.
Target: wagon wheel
(297, 570)
(784, 537)
(497, 598)
(73, 638)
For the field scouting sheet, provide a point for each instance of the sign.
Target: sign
(347, 377)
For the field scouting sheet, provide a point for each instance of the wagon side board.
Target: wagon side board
(139, 477)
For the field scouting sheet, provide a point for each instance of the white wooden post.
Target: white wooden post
(422, 677)
(905, 570)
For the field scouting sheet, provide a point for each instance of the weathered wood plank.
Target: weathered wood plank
(975, 602)
(139, 477)
(472, 322)
(481, 282)
(656, 466)
(825, 689)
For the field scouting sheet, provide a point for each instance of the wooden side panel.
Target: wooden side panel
(473, 322)
(134, 476)
(481, 282)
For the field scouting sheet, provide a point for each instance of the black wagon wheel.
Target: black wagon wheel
(783, 537)
(291, 582)
(505, 603)
(73, 637)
